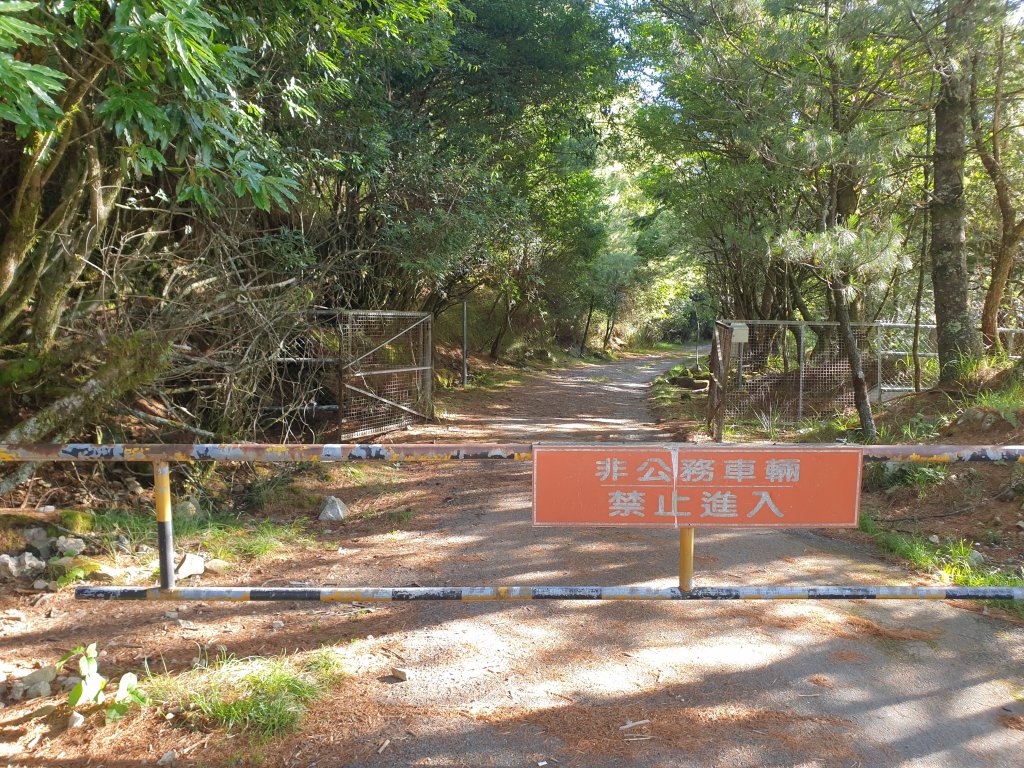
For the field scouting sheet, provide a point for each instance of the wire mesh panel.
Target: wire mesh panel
(778, 371)
(385, 373)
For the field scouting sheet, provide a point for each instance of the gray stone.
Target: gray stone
(124, 545)
(975, 558)
(41, 584)
(37, 691)
(934, 539)
(333, 509)
(133, 487)
(70, 546)
(77, 720)
(190, 565)
(17, 691)
(171, 615)
(39, 541)
(25, 565)
(170, 757)
(217, 566)
(277, 625)
(70, 682)
(186, 509)
(144, 549)
(1020, 524)
(45, 674)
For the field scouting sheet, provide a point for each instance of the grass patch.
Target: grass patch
(951, 560)
(1005, 401)
(223, 535)
(263, 697)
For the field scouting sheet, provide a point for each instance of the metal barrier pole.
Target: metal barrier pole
(164, 522)
(686, 559)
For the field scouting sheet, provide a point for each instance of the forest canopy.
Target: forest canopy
(184, 180)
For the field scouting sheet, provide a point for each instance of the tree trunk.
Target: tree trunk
(586, 328)
(860, 385)
(958, 339)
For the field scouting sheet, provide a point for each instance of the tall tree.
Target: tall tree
(958, 338)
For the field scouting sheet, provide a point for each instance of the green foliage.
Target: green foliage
(90, 691)
(952, 560)
(883, 476)
(264, 697)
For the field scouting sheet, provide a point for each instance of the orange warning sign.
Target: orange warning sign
(683, 486)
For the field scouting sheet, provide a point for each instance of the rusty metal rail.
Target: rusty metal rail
(160, 456)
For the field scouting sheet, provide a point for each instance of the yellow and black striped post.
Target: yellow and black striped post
(164, 522)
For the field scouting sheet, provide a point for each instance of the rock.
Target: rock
(45, 674)
(77, 720)
(70, 546)
(17, 691)
(184, 624)
(124, 545)
(133, 487)
(333, 509)
(144, 549)
(70, 682)
(170, 757)
(217, 567)
(277, 625)
(975, 558)
(186, 509)
(41, 584)
(934, 539)
(38, 541)
(1020, 524)
(25, 565)
(171, 615)
(190, 565)
(38, 691)
(401, 674)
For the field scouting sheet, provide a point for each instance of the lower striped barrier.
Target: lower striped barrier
(472, 594)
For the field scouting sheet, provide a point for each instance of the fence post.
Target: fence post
(428, 329)
(878, 355)
(800, 388)
(164, 522)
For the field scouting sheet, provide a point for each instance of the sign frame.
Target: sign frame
(679, 522)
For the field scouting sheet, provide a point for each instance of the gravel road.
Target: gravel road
(734, 684)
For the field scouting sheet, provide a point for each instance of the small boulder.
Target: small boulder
(934, 539)
(217, 566)
(45, 674)
(41, 585)
(24, 566)
(69, 683)
(277, 625)
(38, 690)
(190, 565)
(975, 558)
(39, 542)
(186, 510)
(333, 509)
(144, 549)
(70, 546)
(170, 757)
(77, 720)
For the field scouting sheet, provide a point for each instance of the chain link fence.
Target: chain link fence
(787, 371)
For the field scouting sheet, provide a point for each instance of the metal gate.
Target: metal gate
(385, 371)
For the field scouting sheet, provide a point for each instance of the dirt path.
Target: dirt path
(505, 684)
